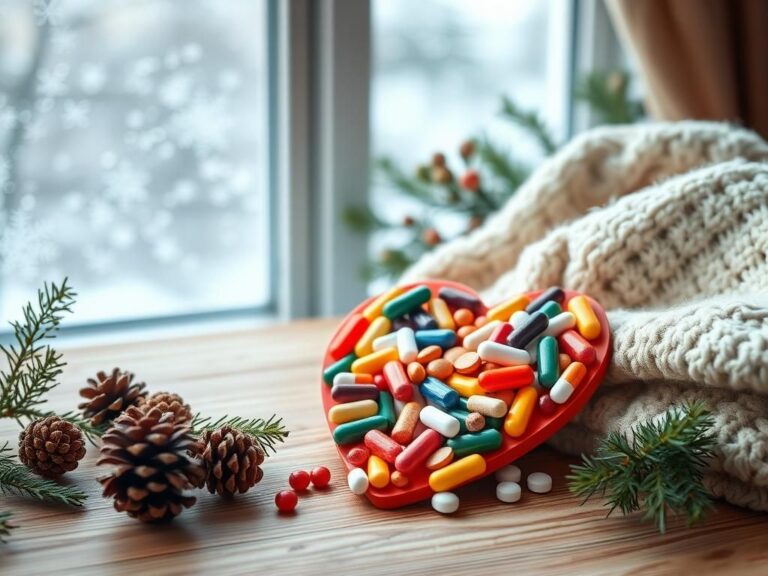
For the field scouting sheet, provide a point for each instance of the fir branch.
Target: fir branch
(502, 166)
(531, 122)
(5, 525)
(660, 469)
(32, 366)
(267, 433)
(607, 95)
(17, 479)
(362, 219)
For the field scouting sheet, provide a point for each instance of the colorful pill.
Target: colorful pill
(387, 407)
(586, 321)
(564, 361)
(386, 341)
(378, 472)
(559, 324)
(357, 480)
(548, 362)
(443, 338)
(406, 302)
(440, 369)
(506, 395)
(439, 421)
(509, 378)
(533, 349)
(355, 431)
(519, 318)
(573, 344)
(343, 365)
(551, 309)
(504, 310)
(501, 333)
(465, 385)
(436, 392)
(399, 384)
(457, 473)
(487, 406)
(445, 502)
(402, 432)
(416, 372)
(342, 413)
(474, 338)
(567, 383)
(520, 412)
(358, 455)
(426, 355)
(475, 443)
(502, 354)
(554, 293)
(344, 393)
(463, 317)
(416, 319)
(352, 378)
(461, 416)
(382, 445)
(495, 423)
(522, 336)
(546, 406)
(348, 335)
(468, 363)
(398, 479)
(440, 458)
(474, 422)
(379, 327)
(442, 314)
(374, 362)
(373, 310)
(417, 452)
(456, 299)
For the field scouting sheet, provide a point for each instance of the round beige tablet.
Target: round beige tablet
(440, 458)
(467, 363)
(453, 353)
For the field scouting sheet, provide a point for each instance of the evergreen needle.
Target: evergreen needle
(5, 525)
(267, 433)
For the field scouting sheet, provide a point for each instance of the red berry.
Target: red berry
(286, 500)
(299, 480)
(321, 476)
(547, 405)
(470, 180)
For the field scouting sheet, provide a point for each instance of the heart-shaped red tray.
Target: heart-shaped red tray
(540, 426)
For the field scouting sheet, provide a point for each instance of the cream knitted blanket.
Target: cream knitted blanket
(667, 226)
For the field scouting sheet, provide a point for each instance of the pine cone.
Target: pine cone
(168, 402)
(152, 464)
(109, 395)
(51, 446)
(231, 461)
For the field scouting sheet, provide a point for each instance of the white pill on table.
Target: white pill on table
(539, 482)
(508, 491)
(445, 502)
(357, 480)
(510, 473)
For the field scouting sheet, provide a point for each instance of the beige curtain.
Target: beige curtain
(703, 59)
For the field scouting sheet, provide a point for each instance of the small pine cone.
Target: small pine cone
(109, 395)
(51, 446)
(231, 461)
(152, 466)
(168, 402)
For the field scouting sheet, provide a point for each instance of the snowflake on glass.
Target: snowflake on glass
(126, 185)
(76, 114)
(204, 125)
(48, 12)
(25, 247)
(53, 81)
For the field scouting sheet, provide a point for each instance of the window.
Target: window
(133, 155)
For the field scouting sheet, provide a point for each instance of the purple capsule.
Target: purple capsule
(554, 293)
(352, 392)
(457, 299)
(524, 335)
(415, 320)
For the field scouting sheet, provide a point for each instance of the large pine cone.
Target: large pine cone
(109, 395)
(152, 465)
(51, 446)
(168, 402)
(231, 460)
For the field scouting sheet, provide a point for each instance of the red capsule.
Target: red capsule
(507, 378)
(398, 381)
(574, 344)
(358, 456)
(546, 405)
(418, 451)
(382, 445)
(501, 333)
(348, 335)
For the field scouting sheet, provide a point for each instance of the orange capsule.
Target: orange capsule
(463, 317)
(426, 355)
(564, 360)
(416, 372)
(398, 479)
(465, 331)
(520, 412)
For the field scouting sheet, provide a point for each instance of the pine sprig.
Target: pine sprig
(18, 479)
(267, 433)
(5, 525)
(660, 470)
(499, 162)
(33, 366)
(531, 122)
(607, 95)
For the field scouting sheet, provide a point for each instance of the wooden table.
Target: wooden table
(255, 373)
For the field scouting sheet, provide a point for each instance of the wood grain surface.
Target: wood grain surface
(255, 373)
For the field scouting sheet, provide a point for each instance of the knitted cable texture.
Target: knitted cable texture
(667, 226)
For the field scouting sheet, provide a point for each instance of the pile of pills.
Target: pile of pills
(287, 500)
(433, 381)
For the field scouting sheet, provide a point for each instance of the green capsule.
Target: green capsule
(461, 416)
(356, 430)
(387, 408)
(475, 443)
(551, 309)
(495, 423)
(548, 360)
(343, 365)
(407, 302)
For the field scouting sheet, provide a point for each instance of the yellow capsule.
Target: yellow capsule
(504, 310)
(439, 309)
(378, 472)
(520, 412)
(374, 362)
(350, 411)
(457, 473)
(586, 321)
(379, 327)
(373, 310)
(465, 385)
